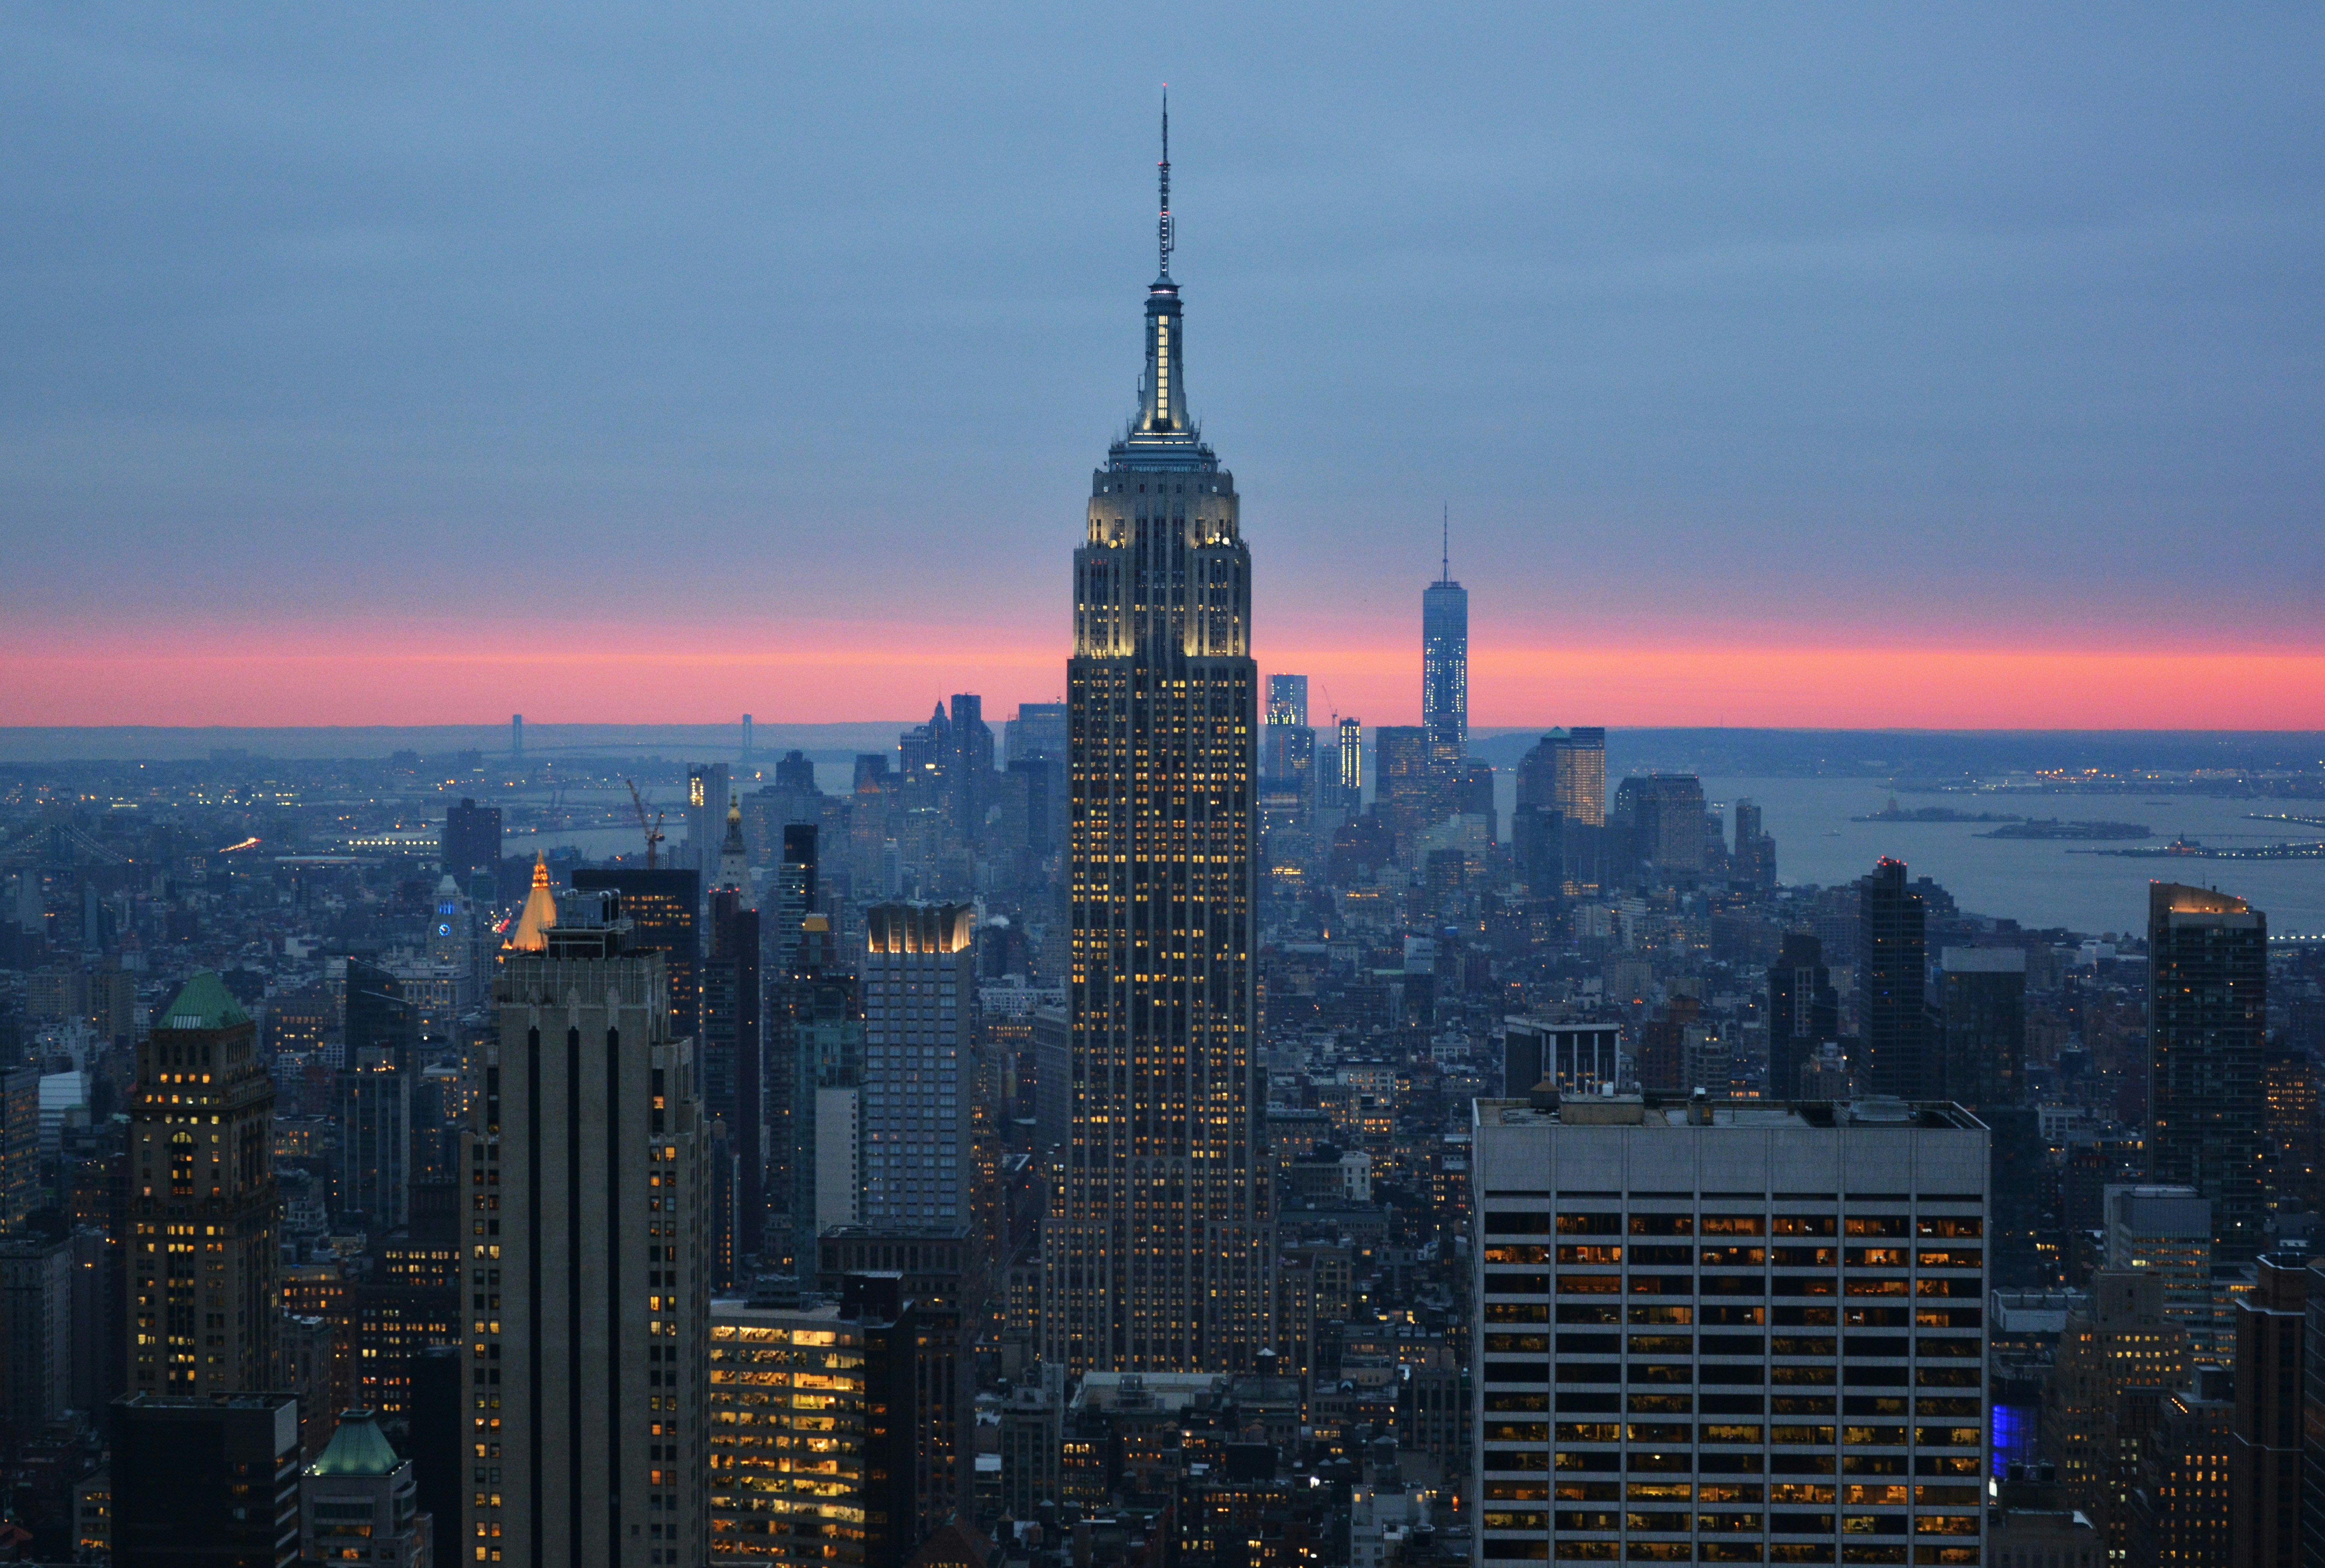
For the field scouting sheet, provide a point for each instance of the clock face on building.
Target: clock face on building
(445, 930)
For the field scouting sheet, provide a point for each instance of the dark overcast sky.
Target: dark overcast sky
(1959, 327)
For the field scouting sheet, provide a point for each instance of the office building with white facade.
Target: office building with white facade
(1729, 1332)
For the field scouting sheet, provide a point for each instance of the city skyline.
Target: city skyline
(1086, 1128)
(1969, 351)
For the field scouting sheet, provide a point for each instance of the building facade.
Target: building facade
(371, 1101)
(786, 1439)
(919, 1002)
(1409, 791)
(812, 1429)
(472, 838)
(1445, 670)
(203, 1202)
(358, 1501)
(2267, 1444)
(36, 1331)
(710, 790)
(1156, 1250)
(1803, 1011)
(1893, 1016)
(588, 1268)
(664, 911)
(1729, 1332)
(1982, 1006)
(217, 1469)
(1663, 814)
(2207, 1012)
(734, 1053)
(1578, 768)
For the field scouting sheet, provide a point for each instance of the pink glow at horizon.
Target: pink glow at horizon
(835, 673)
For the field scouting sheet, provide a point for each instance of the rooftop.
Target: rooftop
(1762, 1115)
(203, 1003)
(357, 1448)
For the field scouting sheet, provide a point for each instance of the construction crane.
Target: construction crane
(652, 830)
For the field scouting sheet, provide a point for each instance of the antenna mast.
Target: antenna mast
(1162, 226)
(1445, 546)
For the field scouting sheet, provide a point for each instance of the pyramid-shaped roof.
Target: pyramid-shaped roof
(539, 913)
(357, 1448)
(203, 1002)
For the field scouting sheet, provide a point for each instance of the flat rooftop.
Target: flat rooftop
(1761, 1115)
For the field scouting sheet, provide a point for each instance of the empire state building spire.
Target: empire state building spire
(1162, 228)
(1155, 1255)
(1163, 431)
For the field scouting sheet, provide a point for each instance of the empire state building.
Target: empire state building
(1156, 1256)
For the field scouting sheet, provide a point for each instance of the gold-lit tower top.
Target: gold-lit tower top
(531, 933)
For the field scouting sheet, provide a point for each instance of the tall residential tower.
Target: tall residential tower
(1156, 1253)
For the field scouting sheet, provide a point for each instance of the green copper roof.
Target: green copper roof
(357, 1448)
(203, 1003)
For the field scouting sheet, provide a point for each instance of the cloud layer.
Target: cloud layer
(776, 339)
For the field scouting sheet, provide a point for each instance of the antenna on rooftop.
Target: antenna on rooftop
(1162, 226)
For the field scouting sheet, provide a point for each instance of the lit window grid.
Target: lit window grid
(786, 1443)
(1160, 1263)
(1945, 1512)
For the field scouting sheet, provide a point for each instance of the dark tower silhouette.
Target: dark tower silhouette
(1803, 1011)
(2208, 1006)
(1893, 982)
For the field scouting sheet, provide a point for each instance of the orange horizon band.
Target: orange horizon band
(350, 679)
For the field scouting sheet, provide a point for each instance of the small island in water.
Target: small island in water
(1892, 812)
(2052, 828)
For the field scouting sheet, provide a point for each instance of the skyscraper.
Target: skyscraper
(919, 1001)
(1557, 828)
(796, 893)
(203, 1201)
(2208, 1008)
(1805, 1381)
(1037, 730)
(358, 1503)
(813, 1446)
(709, 785)
(1664, 813)
(585, 1390)
(371, 1102)
(1445, 667)
(1891, 982)
(968, 765)
(1983, 1008)
(1288, 764)
(1803, 1011)
(2265, 1455)
(472, 838)
(1578, 762)
(734, 1072)
(1754, 864)
(1409, 791)
(210, 1478)
(1287, 785)
(1155, 1255)
(1350, 773)
(664, 910)
(1287, 699)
